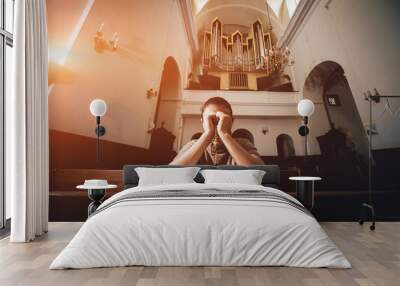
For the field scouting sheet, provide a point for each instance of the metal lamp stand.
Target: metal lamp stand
(303, 131)
(100, 131)
(368, 206)
(305, 136)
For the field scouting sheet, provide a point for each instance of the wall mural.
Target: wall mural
(126, 86)
(141, 83)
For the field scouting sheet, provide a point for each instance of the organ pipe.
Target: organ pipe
(249, 52)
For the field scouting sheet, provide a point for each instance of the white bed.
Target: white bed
(185, 230)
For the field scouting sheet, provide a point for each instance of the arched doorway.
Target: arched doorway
(168, 97)
(166, 115)
(327, 83)
(336, 125)
(285, 146)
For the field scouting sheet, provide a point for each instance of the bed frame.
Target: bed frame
(270, 179)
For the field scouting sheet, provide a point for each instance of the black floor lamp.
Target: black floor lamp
(369, 206)
(98, 108)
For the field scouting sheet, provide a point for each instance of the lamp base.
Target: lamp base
(100, 130)
(367, 207)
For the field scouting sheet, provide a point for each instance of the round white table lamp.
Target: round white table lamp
(305, 107)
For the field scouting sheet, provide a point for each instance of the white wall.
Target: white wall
(363, 37)
(149, 32)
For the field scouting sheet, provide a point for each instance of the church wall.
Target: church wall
(149, 32)
(362, 37)
(363, 42)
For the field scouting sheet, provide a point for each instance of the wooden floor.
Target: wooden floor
(375, 257)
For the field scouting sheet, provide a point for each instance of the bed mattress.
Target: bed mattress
(201, 225)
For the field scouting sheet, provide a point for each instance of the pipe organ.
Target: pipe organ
(252, 52)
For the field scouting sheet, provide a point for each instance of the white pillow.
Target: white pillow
(164, 176)
(248, 177)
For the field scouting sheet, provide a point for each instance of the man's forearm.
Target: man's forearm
(193, 154)
(239, 154)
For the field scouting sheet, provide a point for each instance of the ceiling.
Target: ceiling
(244, 13)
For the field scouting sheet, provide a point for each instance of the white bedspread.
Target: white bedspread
(200, 231)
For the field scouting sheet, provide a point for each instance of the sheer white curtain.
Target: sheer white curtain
(27, 124)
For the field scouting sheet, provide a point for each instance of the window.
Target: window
(6, 62)
(9, 15)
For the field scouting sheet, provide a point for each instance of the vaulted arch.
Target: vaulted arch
(285, 146)
(169, 96)
(327, 84)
